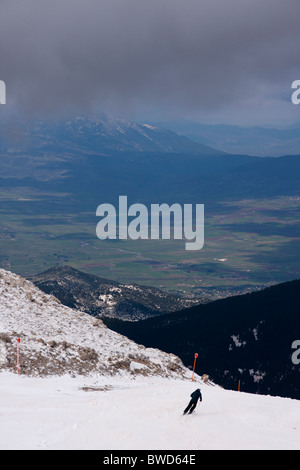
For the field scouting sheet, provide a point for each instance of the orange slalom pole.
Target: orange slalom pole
(18, 365)
(239, 386)
(196, 355)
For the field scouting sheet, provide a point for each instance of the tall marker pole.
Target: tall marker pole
(18, 364)
(196, 355)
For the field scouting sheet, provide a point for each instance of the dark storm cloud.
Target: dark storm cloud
(134, 54)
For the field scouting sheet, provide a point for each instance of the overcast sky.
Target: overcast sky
(229, 61)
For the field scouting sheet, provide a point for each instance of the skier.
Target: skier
(196, 395)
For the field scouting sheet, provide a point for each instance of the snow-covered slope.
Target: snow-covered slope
(57, 340)
(146, 413)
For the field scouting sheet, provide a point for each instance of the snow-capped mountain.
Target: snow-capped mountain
(103, 297)
(100, 135)
(56, 340)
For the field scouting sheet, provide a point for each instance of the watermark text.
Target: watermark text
(296, 94)
(2, 92)
(296, 354)
(161, 222)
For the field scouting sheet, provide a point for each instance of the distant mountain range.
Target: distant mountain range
(103, 297)
(247, 338)
(98, 135)
(97, 160)
(258, 141)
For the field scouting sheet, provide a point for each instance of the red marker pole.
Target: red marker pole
(18, 364)
(196, 355)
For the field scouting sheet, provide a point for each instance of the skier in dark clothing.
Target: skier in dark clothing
(195, 396)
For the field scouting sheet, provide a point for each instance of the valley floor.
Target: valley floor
(98, 413)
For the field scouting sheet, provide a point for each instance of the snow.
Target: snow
(237, 341)
(2, 353)
(97, 413)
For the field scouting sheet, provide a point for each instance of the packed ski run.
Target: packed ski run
(99, 412)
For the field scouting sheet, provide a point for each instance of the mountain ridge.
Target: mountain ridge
(262, 141)
(103, 297)
(56, 340)
(96, 135)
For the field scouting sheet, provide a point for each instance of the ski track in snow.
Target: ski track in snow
(146, 413)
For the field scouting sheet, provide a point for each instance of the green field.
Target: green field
(248, 243)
